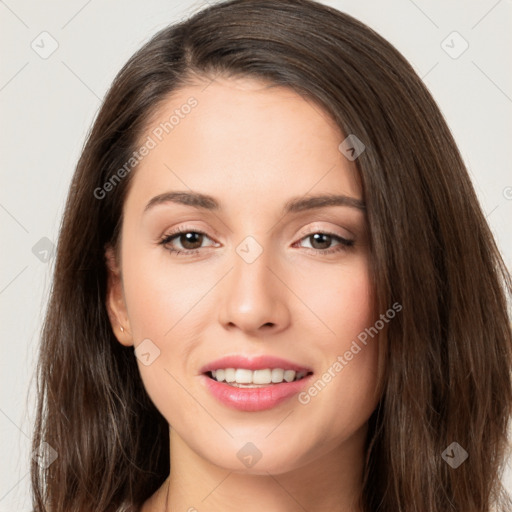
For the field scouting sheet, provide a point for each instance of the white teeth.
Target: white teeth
(262, 376)
(242, 376)
(277, 375)
(289, 375)
(229, 374)
(237, 376)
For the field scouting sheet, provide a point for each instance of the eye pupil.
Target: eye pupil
(189, 239)
(317, 236)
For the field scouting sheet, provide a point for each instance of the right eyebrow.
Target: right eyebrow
(188, 198)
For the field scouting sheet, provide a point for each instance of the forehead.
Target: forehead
(244, 139)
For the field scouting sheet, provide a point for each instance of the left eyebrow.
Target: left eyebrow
(294, 205)
(299, 204)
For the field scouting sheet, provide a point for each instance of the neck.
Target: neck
(332, 481)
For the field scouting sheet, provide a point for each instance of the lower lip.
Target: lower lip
(254, 399)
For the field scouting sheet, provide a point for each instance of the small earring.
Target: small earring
(122, 328)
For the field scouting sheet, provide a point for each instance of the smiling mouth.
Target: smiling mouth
(245, 378)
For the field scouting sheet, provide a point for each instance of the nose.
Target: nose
(254, 297)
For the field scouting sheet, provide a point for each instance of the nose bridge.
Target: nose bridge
(253, 297)
(251, 265)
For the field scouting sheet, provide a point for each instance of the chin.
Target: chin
(251, 461)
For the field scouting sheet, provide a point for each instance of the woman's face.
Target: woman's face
(255, 277)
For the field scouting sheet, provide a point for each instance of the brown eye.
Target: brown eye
(191, 241)
(322, 242)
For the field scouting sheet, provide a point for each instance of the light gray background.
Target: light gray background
(47, 106)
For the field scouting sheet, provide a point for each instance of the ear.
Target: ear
(114, 301)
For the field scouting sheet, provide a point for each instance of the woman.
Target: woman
(274, 288)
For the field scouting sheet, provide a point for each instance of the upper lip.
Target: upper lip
(253, 363)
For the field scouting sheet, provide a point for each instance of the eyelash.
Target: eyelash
(345, 244)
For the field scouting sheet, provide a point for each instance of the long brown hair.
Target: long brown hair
(447, 357)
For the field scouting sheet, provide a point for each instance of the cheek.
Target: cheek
(341, 298)
(159, 296)
(350, 308)
(164, 303)
(344, 388)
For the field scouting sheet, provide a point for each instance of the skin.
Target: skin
(252, 147)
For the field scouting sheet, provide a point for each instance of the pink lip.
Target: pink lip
(253, 399)
(255, 363)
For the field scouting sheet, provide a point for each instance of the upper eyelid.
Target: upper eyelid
(353, 225)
